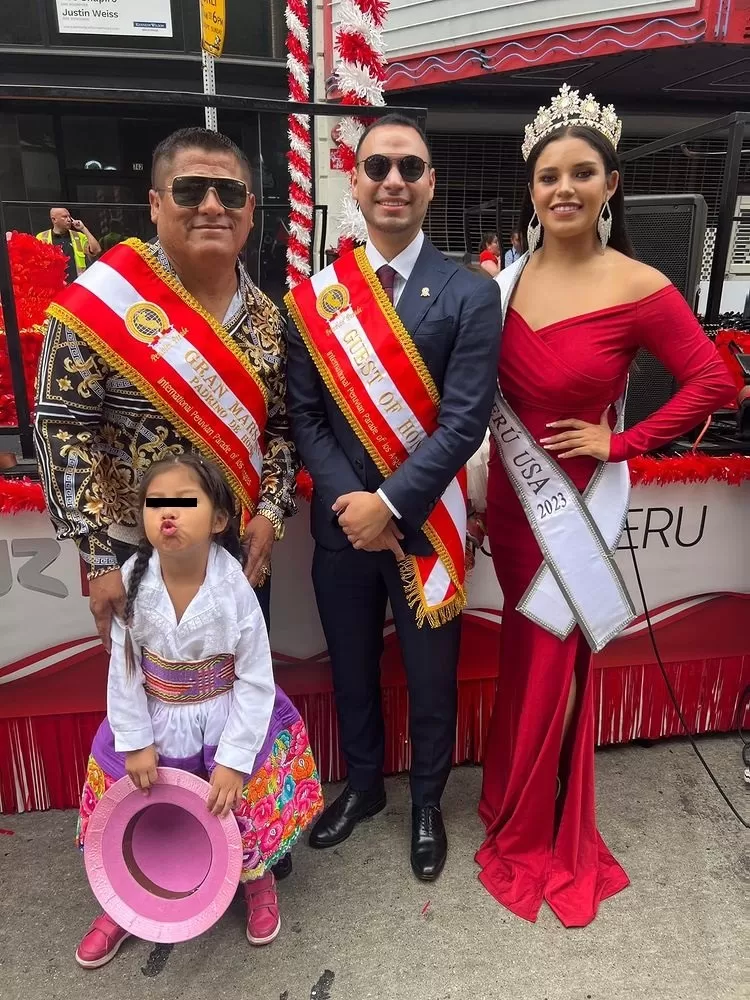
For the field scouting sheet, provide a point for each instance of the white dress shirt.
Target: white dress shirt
(403, 264)
(223, 617)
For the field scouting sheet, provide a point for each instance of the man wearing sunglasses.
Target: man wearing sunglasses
(392, 365)
(131, 370)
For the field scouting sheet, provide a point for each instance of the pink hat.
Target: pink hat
(161, 865)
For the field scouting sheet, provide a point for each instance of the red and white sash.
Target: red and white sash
(579, 582)
(144, 324)
(378, 379)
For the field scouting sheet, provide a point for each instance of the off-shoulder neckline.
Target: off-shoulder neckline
(597, 312)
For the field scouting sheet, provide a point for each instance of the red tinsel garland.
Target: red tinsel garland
(18, 495)
(356, 49)
(742, 339)
(691, 468)
(38, 271)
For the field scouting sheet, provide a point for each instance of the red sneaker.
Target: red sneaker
(100, 943)
(263, 920)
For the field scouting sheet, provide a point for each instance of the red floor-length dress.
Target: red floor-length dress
(537, 848)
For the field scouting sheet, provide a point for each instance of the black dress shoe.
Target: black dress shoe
(282, 869)
(429, 844)
(340, 818)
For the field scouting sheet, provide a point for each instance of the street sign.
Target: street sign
(213, 26)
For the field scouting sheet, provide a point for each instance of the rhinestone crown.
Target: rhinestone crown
(568, 108)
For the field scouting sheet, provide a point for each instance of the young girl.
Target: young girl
(191, 616)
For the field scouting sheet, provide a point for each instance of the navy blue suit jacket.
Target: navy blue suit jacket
(457, 331)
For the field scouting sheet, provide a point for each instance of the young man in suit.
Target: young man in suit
(352, 376)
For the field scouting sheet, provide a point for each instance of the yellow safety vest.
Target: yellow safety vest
(79, 242)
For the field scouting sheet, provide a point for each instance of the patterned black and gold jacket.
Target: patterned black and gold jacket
(95, 433)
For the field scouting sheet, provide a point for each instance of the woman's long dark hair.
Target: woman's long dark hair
(222, 499)
(619, 240)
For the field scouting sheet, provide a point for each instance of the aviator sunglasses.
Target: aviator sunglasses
(377, 167)
(189, 192)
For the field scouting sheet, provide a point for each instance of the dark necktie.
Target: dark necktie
(387, 278)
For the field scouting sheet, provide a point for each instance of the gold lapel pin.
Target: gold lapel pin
(425, 293)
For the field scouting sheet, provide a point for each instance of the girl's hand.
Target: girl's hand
(226, 790)
(141, 767)
(581, 438)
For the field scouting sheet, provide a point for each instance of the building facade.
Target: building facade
(482, 70)
(57, 151)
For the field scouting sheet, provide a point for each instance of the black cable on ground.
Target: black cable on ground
(673, 696)
(741, 706)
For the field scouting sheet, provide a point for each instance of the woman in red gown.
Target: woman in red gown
(580, 310)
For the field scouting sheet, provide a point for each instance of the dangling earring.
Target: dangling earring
(533, 233)
(604, 225)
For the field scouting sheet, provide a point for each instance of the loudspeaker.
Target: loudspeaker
(668, 232)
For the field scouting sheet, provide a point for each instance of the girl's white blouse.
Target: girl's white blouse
(224, 617)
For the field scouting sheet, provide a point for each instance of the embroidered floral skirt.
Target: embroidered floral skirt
(280, 799)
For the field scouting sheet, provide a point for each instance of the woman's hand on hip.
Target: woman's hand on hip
(580, 438)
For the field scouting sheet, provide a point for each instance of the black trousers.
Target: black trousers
(123, 551)
(352, 589)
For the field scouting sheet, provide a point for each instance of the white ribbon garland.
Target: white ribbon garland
(354, 79)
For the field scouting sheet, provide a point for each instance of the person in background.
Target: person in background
(489, 254)
(73, 238)
(110, 240)
(516, 248)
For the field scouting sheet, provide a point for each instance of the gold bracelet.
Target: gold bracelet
(96, 573)
(276, 521)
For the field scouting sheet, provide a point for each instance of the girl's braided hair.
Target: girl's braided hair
(222, 499)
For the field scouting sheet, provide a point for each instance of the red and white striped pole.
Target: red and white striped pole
(299, 249)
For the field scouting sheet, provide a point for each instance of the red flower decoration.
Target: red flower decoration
(304, 485)
(38, 271)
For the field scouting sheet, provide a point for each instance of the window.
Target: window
(91, 143)
(28, 169)
(20, 24)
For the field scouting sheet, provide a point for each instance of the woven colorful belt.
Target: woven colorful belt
(178, 682)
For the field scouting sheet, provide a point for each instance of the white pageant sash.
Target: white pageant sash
(579, 582)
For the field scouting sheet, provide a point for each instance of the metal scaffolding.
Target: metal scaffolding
(736, 126)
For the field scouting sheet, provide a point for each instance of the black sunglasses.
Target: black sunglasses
(189, 192)
(377, 167)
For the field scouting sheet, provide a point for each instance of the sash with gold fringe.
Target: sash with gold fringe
(378, 379)
(143, 323)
